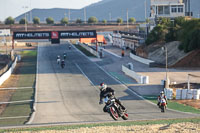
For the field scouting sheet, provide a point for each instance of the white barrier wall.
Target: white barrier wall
(92, 51)
(188, 94)
(140, 59)
(139, 78)
(7, 74)
(168, 93)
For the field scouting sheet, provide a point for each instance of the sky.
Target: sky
(14, 8)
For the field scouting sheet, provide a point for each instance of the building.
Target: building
(126, 40)
(167, 8)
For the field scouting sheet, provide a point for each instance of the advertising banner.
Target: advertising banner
(78, 34)
(55, 34)
(32, 35)
(4, 32)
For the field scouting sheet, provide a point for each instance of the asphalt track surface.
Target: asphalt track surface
(71, 95)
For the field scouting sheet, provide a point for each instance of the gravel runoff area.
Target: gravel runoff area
(164, 128)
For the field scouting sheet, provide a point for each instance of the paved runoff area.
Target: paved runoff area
(71, 95)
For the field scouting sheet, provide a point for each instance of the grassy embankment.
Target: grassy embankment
(130, 123)
(26, 73)
(87, 53)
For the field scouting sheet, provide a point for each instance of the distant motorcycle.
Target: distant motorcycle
(114, 109)
(64, 56)
(69, 46)
(62, 64)
(163, 105)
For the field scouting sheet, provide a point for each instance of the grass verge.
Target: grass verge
(129, 123)
(84, 51)
(26, 73)
(174, 105)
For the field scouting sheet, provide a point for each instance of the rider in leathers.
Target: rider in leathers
(107, 91)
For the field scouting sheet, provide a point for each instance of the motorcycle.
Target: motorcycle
(114, 109)
(62, 65)
(69, 46)
(163, 105)
(64, 56)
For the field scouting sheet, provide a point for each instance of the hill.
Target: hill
(105, 9)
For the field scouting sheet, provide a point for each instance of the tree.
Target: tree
(120, 21)
(36, 20)
(179, 21)
(92, 20)
(9, 21)
(78, 21)
(22, 21)
(132, 20)
(64, 20)
(147, 20)
(157, 34)
(104, 21)
(50, 20)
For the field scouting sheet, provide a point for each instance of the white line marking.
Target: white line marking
(24, 101)
(17, 117)
(16, 88)
(112, 53)
(85, 75)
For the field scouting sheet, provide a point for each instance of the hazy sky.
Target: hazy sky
(16, 7)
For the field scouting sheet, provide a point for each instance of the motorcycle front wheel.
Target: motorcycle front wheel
(125, 116)
(113, 113)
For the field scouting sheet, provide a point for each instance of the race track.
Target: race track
(71, 95)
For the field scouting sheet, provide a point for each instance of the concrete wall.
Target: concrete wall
(140, 59)
(139, 78)
(7, 74)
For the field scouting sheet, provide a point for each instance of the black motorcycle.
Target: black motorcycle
(62, 65)
(114, 109)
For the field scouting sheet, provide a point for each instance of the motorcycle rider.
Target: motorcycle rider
(64, 55)
(58, 59)
(107, 91)
(162, 95)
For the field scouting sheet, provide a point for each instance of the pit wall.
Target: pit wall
(139, 78)
(8, 73)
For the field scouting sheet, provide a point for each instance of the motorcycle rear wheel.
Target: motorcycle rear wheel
(113, 113)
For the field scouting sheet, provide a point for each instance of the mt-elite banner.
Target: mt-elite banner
(32, 35)
(55, 34)
(78, 34)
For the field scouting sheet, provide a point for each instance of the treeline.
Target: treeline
(50, 20)
(179, 29)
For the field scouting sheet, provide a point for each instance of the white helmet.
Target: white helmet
(103, 86)
(162, 92)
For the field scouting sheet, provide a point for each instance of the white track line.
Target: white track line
(16, 88)
(17, 117)
(23, 101)
(85, 75)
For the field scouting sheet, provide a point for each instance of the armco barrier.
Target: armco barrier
(140, 59)
(92, 51)
(139, 78)
(7, 74)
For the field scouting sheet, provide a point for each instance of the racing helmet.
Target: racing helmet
(103, 87)
(162, 93)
